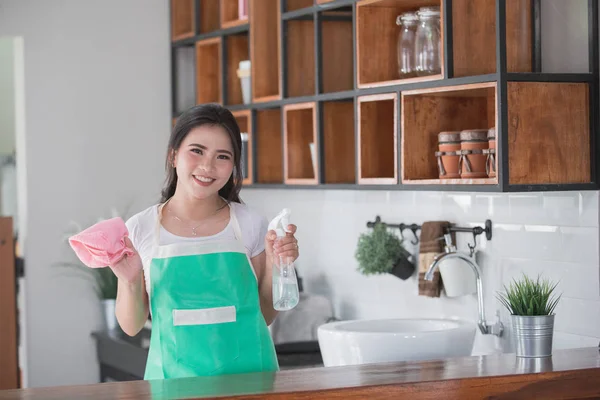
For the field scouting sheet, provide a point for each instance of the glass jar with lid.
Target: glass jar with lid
(428, 42)
(406, 44)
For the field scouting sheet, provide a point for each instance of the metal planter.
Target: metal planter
(533, 335)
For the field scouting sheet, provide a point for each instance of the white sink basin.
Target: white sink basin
(388, 340)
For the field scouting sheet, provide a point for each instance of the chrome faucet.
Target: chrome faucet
(451, 252)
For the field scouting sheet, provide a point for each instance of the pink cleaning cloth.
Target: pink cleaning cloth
(103, 244)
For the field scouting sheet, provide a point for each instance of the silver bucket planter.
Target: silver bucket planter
(533, 335)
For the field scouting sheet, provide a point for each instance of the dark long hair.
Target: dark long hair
(206, 114)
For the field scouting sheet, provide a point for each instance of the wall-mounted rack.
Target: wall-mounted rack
(475, 231)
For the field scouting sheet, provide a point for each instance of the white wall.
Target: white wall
(553, 233)
(7, 96)
(97, 122)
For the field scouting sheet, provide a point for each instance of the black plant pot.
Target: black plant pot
(403, 268)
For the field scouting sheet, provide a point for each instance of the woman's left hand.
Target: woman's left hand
(286, 246)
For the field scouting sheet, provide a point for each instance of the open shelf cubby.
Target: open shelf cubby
(300, 57)
(183, 22)
(377, 139)
(244, 120)
(339, 146)
(268, 142)
(230, 14)
(427, 112)
(337, 70)
(209, 15)
(377, 37)
(208, 71)
(474, 43)
(300, 140)
(264, 50)
(236, 47)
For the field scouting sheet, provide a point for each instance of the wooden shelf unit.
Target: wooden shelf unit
(376, 41)
(300, 132)
(208, 71)
(377, 139)
(265, 52)
(230, 15)
(237, 49)
(339, 144)
(244, 120)
(325, 71)
(268, 140)
(427, 112)
(183, 22)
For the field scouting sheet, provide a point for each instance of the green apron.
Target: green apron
(206, 317)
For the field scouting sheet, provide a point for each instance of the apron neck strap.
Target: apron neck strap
(234, 222)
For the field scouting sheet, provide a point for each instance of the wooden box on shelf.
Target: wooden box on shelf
(230, 14)
(548, 133)
(244, 120)
(268, 141)
(183, 21)
(339, 143)
(265, 17)
(377, 38)
(300, 147)
(208, 71)
(427, 112)
(377, 118)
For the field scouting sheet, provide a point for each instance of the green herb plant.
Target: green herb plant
(527, 297)
(378, 251)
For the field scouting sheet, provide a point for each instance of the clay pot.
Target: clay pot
(472, 161)
(448, 154)
(490, 163)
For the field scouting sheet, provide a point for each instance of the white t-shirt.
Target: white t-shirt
(142, 228)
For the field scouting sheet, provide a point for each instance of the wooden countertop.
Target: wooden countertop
(569, 374)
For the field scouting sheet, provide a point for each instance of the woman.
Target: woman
(202, 263)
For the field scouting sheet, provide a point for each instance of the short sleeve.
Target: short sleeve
(133, 229)
(261, 229)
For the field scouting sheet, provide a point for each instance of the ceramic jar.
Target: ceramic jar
(448, 154)
(490, 164)
(472, 162)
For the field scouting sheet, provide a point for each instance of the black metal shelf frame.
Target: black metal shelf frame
(501, 77)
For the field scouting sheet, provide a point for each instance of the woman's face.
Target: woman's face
(204, 161)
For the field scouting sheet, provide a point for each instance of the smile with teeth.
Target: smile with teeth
(204, 179)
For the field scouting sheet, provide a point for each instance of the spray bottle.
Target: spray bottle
(285, 283)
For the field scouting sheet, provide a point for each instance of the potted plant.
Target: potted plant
(381, 252)
(531, 305)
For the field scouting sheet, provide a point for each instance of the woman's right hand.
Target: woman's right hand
(129, 269)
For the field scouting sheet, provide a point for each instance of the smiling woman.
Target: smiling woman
(202, 260)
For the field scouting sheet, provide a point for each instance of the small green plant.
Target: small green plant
(527, 297)
(378, 251)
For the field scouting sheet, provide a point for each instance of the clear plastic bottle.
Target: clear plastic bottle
(428, 42)
(285, 283)
(406, 44)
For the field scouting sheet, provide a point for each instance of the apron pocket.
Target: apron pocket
(206, 339)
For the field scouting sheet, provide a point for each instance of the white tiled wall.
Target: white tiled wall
(553, 233)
